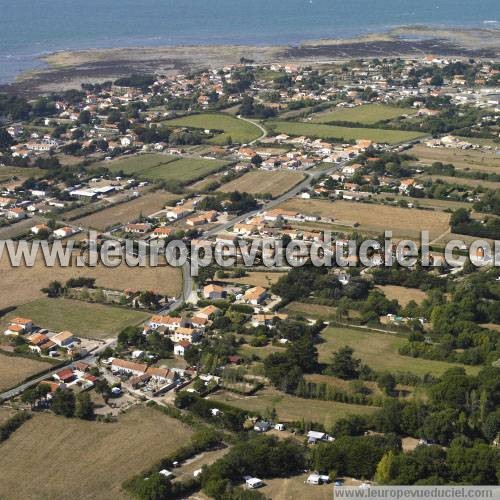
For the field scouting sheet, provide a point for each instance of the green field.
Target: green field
(96, 321)
(380, 352)
(290, 408)
(160, 167)
(330, 132)
(184, 170)
(240, 131)
(138, 164)
(366, 114)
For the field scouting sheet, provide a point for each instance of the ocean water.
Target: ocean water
(31, 28)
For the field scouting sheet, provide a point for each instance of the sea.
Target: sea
(30, 29)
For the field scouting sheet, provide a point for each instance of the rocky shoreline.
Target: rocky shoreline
(71, 69)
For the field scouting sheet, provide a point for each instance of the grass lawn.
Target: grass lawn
(161, 167)
(14, 369)
(322, 166)
(256, 278)
(365, 114)
(260, 182)
(372, 218)
(330, 132)
(7, 173)
(379, 351)
(80, 459)
(240, 131)
(261, 352)
(291, 408)
(137, 164)
(95, 321)
(316, 311)
(23, 284)
(295, 487)
(402, 294)
(185, 471)
(184, 170)
(128, 211)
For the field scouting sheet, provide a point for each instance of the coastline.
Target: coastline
(69, 69)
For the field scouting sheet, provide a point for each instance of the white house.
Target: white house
(315, 436)
(128, 367)
(19, 326)
(180, 348)
(63, 232)
(15, 213)
(169, 322)
(253, 483)
(63, 339)
(351, 169)
(39, 227)
(183, 333)
(177, 213)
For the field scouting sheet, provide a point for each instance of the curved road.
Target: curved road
(187, 289)
(257, 124)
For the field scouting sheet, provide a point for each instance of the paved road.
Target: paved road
(90, 358)
(311, 177)
(187, 288)
(188, 295)
(257, 124)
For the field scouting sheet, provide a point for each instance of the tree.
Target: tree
(353, 425)
(281, 371)
(29, 396)
(123, 125)
(5, 139)
(342, 308)
(473, 465)
(154, 487)
(353, 456)
(55, 289)
(437, 80)
(84, 117)
(192, 355)
(63, 402)
(491, 426)
(343, 364)
(385, 468)
(102, 387)
(84, 406)
(386, 382)
(440, 426)
(256, 160)
(114, 116)
(303, 354)
(452, 389)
